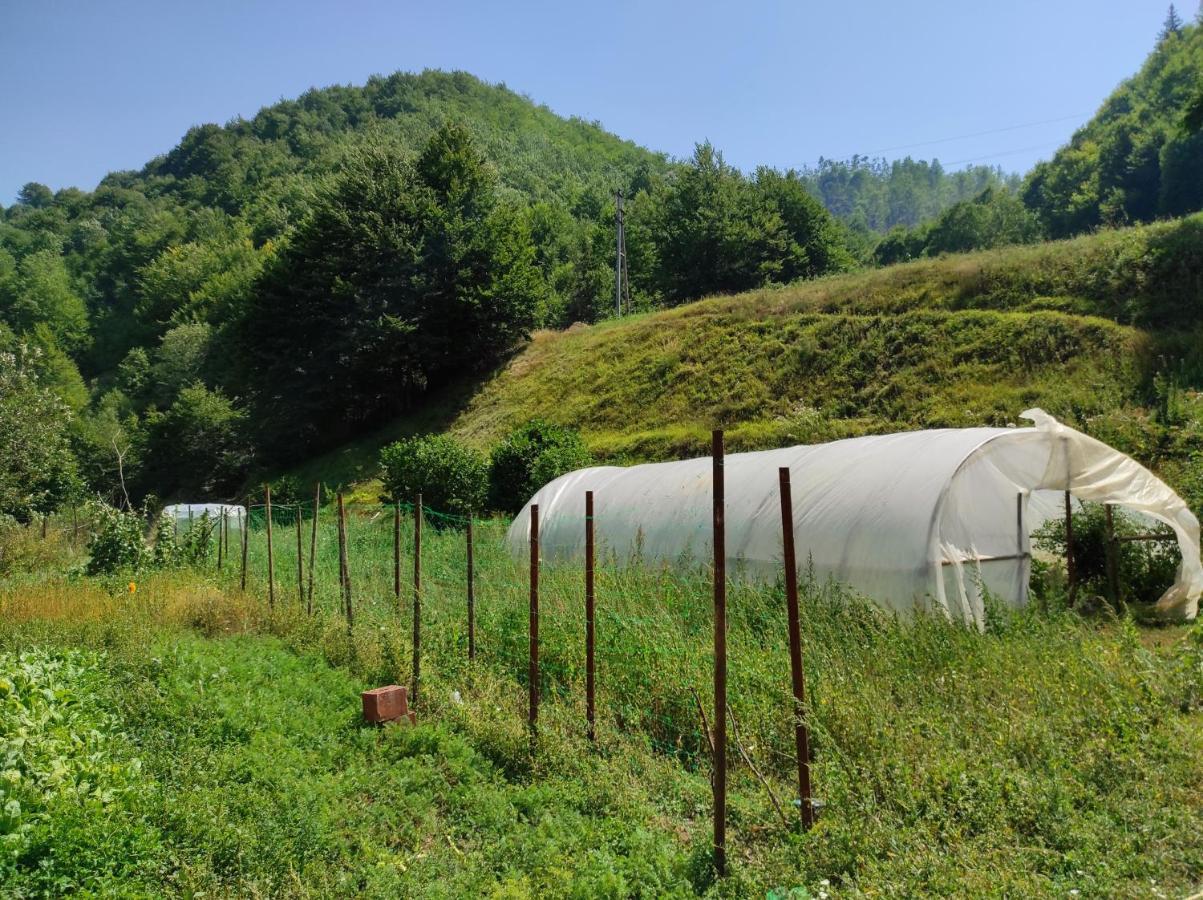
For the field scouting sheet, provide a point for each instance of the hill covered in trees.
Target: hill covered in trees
(1140, 158)
(1135, 160)
(277, 284)
(283, 284)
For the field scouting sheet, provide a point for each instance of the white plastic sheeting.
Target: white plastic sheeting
(922, 518)
(183, 513)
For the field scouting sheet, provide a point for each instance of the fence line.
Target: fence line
(433, 571)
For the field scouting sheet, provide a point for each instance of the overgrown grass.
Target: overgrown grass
(1074, 326)
(1046, 755)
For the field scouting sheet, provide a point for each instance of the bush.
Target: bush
(117, 544)
(451, 477)
(1145, 569)
(529, 458)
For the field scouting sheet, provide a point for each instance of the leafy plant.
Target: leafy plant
(117, 544)
(1145, 568)
(450, 476)
(530, 457)
(37, 469)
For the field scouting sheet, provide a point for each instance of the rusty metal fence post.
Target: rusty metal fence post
(590, 707)
(720, 656)
(471, 594)
(397, 554)
(300, 561)
(417, 639)
(1071, 574)
(533, 669)
(271, 570)
(344, 565)
(317, 502)
(797, 674)
(246, 536)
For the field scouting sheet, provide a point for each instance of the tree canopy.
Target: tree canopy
(1133, 162)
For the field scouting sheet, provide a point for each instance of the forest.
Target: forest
(278, 285)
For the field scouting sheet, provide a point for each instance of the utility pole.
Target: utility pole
(622, 284)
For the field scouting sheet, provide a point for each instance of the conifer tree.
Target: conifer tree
(1172, 27)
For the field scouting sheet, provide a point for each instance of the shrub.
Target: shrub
(116, 544)
(532, 455)
(1145, 569)
(450, 476)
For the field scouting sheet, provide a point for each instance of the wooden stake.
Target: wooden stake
(300, 562)
(590, 708)
(532, 705)
(220, 536)
(720, 657)
(1071, 575)
(246, 531)
(344, 564)
(271, 564)
(397, 553)
(317, 502)
(471, 596)
(797, 674)
(417, 598)
(1112, 562)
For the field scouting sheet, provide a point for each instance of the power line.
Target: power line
(963, 137)
(1043, 146)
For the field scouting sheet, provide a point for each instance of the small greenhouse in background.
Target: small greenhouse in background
(916, 519)
(182, 515)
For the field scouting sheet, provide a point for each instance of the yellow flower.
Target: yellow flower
(133, 587)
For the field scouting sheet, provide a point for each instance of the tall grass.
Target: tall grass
(1048, 754)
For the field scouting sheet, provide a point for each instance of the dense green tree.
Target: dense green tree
(1192, 119)
(450, 476)
(716, 231)
(992, 219)
(818, 244)
(181, 359)
(531, 456)
(406, 273)
(1172, 26)
(35, 196)
(109, 441)
(39, 292)
(714, 236)
(873, 196)
(37, 470)
(199, 444)
(1133, 161)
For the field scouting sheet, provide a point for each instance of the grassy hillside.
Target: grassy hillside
(1087, 329)
(1102, 331)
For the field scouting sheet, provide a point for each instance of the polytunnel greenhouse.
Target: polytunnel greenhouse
(916, 519)
(184, 514)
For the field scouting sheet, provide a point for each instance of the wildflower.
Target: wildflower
(133, 587)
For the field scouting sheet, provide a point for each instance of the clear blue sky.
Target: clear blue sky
(90, 87)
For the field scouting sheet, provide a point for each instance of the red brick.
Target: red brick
(384, 704)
